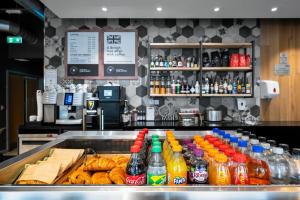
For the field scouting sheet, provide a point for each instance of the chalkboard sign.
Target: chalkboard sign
(119, 54)
(82, 54)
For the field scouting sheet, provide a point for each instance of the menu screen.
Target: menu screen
(83, 54)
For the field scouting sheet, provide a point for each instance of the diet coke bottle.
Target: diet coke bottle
(136, 170)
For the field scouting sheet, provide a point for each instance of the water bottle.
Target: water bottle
(295, 168)
(279, 167)
(267, 149)
(157, 172)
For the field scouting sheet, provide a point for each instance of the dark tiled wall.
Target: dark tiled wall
(158, 30)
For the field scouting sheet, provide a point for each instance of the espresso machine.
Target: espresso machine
(69, 108)
(93, 116)
(111, 99)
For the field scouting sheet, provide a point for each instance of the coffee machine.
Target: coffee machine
(111, 99)
(93, 116)
(69, 108)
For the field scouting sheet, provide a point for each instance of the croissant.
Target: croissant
(117, 175)
(101, 178)
(80, 177)
(100, 164)
(120, 159)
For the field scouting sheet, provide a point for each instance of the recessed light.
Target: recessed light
(217, 9)
(159, 9)
(274, 9)
(104, 9)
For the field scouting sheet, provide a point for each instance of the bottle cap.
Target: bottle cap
(191, 146)
(234, 139)
(245, 137)
(155, 139)
(252, 136)
(243, 143)
(257, 149)
(254, 141)
(296, 151)
(198, 152)
(138, 143)
(265, 145)
(262, 139)
(174, 143)
(229, 152)
(197, 137)
(207, 147)
(207, 136)
(177, 148)
(217, 143)
(146, 131)
(246, 133)
(141, 137)
(227, 136)
(272, 143)
(285, 147)
(277, 150)
(156, 149)
(215, 130)
(212, 139)
(238, 135)
(223, 147)
(186, 141)
(154, 136)
(212, 152)
(156, 143)
(240, 158)
(134, 149)
(221, 158)
(222, 133)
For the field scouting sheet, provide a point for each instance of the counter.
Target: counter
(104, 141)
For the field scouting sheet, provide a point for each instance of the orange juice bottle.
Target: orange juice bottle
(170, 152)
(221, 174)
(177, 169)
(211, 162)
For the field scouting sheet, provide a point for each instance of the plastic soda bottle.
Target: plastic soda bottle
(177, 169)
(221, 174)
(239, 170)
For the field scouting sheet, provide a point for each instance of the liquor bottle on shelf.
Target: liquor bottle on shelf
(179, 62)
(194, 62)
(178, 86)
(203, 86)
(206, 86)
(243, 87)
(157, 85)
(168, 86)
(170, 62)
(221, 88)
(174, 62)
(162, 89)
(216, 87)
(173, 86)
(156, 61)
(211, 86)
(239, 86)
(152, 89)
(248, 87)
(161, 62)
(166, 63)
(234, 87)
(152, 63)
(192, 90)
(197, 88)
(189, 62)
(225, 86)
(230, 86)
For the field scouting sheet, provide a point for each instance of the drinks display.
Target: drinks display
(170, 85)
(174, 62)
(216, 158)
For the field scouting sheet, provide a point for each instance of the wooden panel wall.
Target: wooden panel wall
(281, 36)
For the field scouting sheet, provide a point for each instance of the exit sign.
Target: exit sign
(14, 39)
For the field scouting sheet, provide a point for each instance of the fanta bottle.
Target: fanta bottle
(221, 174)
(177, 169)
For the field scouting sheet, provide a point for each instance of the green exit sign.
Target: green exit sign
(14, 39)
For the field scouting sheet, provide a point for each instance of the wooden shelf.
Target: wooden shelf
(227, 69)
(175, 69)
(174, 95)
(174, 45)
(226, 45)
(226, 95)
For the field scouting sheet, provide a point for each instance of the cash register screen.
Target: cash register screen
(68, 99)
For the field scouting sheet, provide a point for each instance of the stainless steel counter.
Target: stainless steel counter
(119, 141)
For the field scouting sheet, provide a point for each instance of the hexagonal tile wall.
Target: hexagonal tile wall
(142, 31)
(101, 22)
(50, 31)
(158, 39)
(142, 71)
(55, 61)
(187, 31)
(141, 91)
(227, 22)
(170, 23)
(255, 111)
(245, 31)
(142, 51)
(216, 39)
(124, 22)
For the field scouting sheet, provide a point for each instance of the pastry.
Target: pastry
(99, 164)
(30, 182)
(101, 178)
(121, 161)
(80, 177)
(117, 175)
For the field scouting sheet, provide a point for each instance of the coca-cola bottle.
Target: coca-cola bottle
(136, 170)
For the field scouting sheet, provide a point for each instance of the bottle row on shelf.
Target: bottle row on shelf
(218, 158)
(216, 59)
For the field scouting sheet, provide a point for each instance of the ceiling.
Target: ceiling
(174, 8)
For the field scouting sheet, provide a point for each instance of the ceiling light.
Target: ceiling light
(274, 9)
(159, 9)
(217, 9)
(104, 9)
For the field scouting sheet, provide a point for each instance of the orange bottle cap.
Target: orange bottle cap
(221, 158)
(177, 148)
(213, 152)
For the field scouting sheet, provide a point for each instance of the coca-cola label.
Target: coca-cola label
(136, 179)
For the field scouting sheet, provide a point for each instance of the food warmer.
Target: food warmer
(119, 142)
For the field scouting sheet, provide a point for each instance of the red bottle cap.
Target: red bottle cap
(146, 131)
(134, 149)
(212, 139)
(240, 158)
(223, 147)
(229, 152)
(140, 137)
(217, 143)
(138, 143)
(207, 136)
